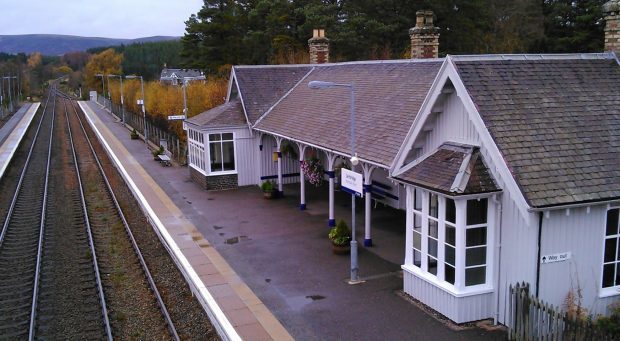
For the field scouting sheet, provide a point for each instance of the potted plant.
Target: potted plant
(134, 135)
(340, 236)
(158, 152)
(268, 188)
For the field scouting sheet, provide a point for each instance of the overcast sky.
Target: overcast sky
(97, 18)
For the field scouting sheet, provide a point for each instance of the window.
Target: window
(611, 255)
(221, 152)
(196, 149)
(450, 242)
(476, 242)
(436, 248)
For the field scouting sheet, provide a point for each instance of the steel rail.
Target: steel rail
(91, 243)
(23, 173)
(35, 293)
(136, 248)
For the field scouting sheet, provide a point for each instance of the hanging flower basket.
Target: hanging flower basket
(313, 171)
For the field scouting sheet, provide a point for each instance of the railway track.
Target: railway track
(62, 213)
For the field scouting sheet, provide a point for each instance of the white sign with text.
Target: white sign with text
(556, 257)
(352, 181)
(176, 117)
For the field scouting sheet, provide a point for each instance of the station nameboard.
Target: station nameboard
(352, 182)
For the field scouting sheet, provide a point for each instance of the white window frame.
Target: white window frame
(196, 150)
(613, 290)
(458, 289)
(208, 152)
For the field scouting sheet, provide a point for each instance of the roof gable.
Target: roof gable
(260, 87)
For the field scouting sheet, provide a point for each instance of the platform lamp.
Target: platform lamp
(354, 161)
(122, 100)
(146, 138)
(102, 85)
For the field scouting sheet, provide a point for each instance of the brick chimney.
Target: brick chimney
(319, 47)
(424, 36)
(611, 11)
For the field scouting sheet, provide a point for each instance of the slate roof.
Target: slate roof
(226, 115)
(555, 122)
(167, 74)
(388, 97)
(262, 86)
(452, 169)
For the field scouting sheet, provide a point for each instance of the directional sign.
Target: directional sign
(352, 182)
(556, 257)
(139, 102)
(176, 117)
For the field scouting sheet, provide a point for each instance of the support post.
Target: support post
(368, 169)
(302, 180)
(331, 160)
(279, 145)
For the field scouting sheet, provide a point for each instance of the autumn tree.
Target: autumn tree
(106, 63)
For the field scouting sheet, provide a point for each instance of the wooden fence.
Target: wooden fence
(531, 319)
(156, 135)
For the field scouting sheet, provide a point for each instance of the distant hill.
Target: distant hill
(54, 45)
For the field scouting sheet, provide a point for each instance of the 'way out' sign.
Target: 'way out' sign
(556, 257)
(352, 182)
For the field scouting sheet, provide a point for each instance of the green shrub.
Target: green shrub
(267, 186)
(340, 234)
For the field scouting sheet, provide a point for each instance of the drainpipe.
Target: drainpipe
(499, 257)
(540, 221)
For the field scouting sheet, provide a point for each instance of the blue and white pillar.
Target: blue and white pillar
(331, 160)
(279, 144)
(368, 169)
(302, 179)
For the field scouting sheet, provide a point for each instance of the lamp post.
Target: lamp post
(122, 101)
(186, 80)
(354, 161)
(102, 85)
(141, 102)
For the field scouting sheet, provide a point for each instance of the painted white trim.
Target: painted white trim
(245, 111)
(231, 79)
(346, 155)
(18, 133)
(540, 56)
(208, 154)
(221, 322)
(447, 287)
(282, 98)
(416, 126)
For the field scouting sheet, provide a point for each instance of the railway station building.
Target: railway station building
(506, 167)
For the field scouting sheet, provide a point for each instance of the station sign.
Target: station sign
(176, 117)
(140, 102)
(352, 182)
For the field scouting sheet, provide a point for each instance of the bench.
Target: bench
(164, 160)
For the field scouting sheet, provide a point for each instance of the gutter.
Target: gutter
(577, 205)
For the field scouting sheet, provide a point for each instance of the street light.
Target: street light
(354, 161)
(185, 81)
(102, 85)
(122, 107)
(141, 102)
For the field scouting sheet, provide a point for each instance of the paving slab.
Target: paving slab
(277, 260)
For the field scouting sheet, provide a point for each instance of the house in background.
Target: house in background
(501, 163)
(176, 76)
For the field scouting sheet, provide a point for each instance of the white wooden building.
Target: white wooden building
(507, 166)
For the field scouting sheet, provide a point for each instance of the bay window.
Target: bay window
(450, 240)
(221, 152)
(196, 149)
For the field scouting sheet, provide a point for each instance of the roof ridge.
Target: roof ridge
(532, 56)
(357, 62)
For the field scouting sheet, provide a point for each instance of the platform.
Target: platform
(13, 132)
(236, 311)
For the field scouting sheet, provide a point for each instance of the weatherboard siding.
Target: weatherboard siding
(582, 234)
(246, 153)
(457, 309)
(269, 168)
